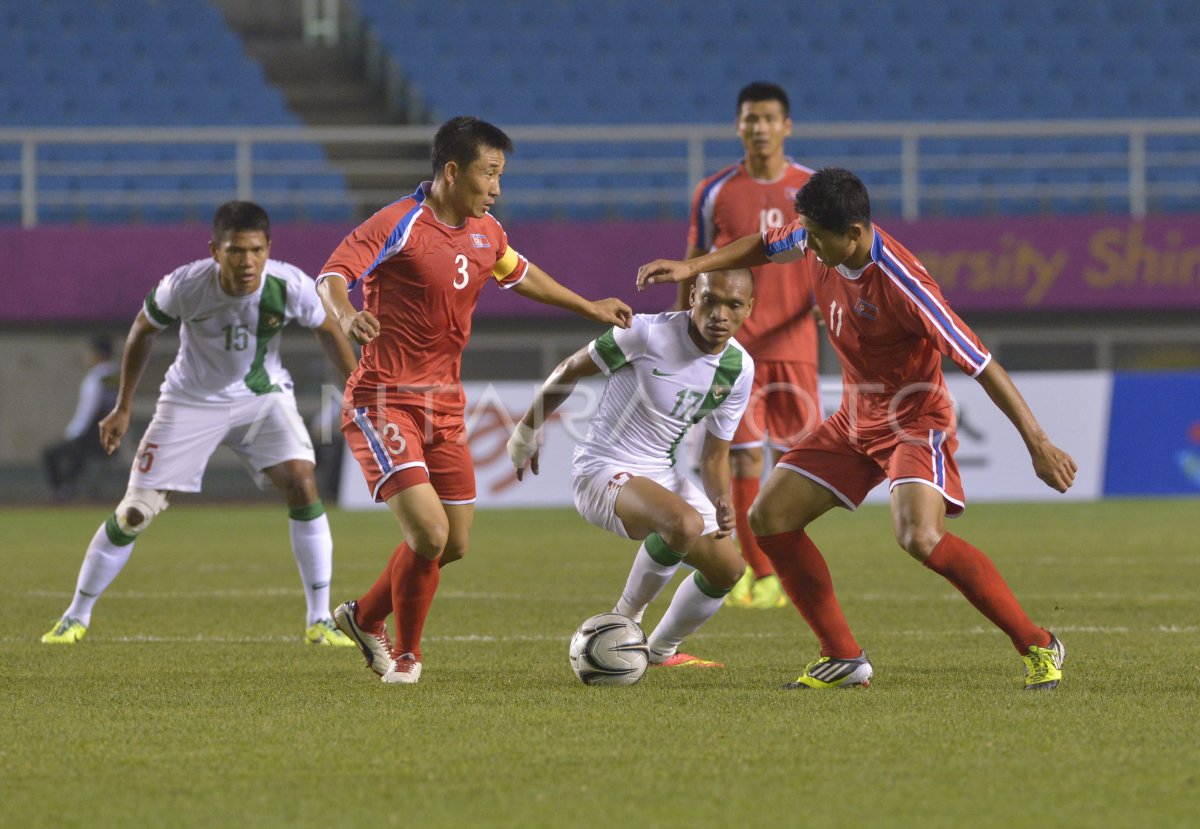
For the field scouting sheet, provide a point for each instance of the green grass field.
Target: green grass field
(193, 702)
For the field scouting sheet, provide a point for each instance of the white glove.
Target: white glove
(522, 446)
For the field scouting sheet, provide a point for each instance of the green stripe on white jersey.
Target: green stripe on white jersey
(229, 345)
(665, 385)
(155, 313)
(605, 346)
(272, 307)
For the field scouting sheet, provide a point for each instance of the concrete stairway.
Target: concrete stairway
(326, 86)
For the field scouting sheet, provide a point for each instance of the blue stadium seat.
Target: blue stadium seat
(137, 63)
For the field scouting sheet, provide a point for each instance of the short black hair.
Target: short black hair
(763, 91)
(733, 273)
(235, 216)
(834, 198)
(460, 140)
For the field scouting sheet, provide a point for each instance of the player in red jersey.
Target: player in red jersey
(890, 326)
(423, 261)
(753, 196)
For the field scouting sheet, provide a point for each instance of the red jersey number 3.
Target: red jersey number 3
(460, 281)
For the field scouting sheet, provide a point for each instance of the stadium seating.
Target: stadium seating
(637, 62)
(160, 63)
(176, 63)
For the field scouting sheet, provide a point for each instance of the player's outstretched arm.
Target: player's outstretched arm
(715, 476)
(1053, 466)
(360, 326)
(523, 445)
(683, 298)
(133, 362)
(746, 252)
(336, 347)
(542, 287)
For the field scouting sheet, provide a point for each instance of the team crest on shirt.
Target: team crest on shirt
(478, 240)
(272, 320)
(719, 391)
(865, 309)
(790, 193)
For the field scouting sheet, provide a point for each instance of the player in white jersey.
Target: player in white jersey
(227, 387)
(666, 372)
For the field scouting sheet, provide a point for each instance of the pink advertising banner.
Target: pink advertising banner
(77, 274)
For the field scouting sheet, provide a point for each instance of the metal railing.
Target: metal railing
(912, 168)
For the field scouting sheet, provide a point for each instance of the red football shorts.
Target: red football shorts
(398, 447)
(850, 466)
(784, 406)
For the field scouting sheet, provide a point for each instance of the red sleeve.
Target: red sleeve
(924, 310)
(354, 257)
(694, 218)
(787, 243)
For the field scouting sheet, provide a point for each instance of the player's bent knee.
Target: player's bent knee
(429, 541)
(138, 508)
(453, 551)
(918, 541)
(727, 573)
(763, 521)
(681, 528)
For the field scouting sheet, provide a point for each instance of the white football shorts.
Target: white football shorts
(263, 431)
(597, 485)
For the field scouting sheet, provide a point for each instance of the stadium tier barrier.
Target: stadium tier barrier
(1099, 417)
(1076, 264)
(914, 169)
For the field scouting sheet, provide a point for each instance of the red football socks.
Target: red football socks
(745, 490)
(805, 576)
(414, 581)
(376, 604)
(973, 573)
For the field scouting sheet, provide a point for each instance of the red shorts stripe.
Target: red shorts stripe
(398, 447)
(850, 468)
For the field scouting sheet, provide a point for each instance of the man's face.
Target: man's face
(763, 126)
(476, 187)
(242, 256)
(721, 301)
(831, 249)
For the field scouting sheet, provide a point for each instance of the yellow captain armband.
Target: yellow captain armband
(506, 264)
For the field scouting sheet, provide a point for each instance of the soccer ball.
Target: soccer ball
(609, 649)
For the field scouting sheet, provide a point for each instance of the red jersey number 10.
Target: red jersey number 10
(769, 217)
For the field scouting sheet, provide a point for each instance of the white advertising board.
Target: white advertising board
(1073, 408)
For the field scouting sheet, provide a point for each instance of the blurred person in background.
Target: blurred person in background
(753, 196)
(66, 460)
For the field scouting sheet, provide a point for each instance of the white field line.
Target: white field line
(1156, 630)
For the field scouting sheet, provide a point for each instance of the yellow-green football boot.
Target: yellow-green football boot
(1043, 666)
(767, 594)
(830, 672)
(66, 631)
(325, 632)
(739, 595)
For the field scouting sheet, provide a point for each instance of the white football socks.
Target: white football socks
(101, 564)
(312, 545)
(646, 579)
(690, 608)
